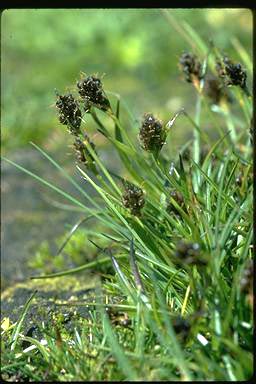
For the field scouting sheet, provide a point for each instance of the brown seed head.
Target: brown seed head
(91, 91)
(215, 90)
(133, 198)
(191, 67)
(69, 112)
(189, 253)
(181, 327)
(152, 135)
(232, 74)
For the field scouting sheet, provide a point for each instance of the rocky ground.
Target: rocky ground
(29, 217)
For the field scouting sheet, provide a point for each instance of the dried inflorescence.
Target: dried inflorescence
(189, 253)
(82, 153)
(69, 112)
(177, 196)
(215, 90)
(191, 67)
(231, 73)
(91, 91)
(152, 134)
(133, 198)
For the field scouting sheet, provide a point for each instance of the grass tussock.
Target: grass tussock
(174, 294)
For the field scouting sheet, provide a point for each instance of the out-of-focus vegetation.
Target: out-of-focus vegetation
(136, 49)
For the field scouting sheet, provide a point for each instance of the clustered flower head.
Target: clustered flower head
(91, 91)
(133, 198)
(82, 153)
(69, 112)
(152, 134)
(191, 67)
(231, 73)
(189, 253)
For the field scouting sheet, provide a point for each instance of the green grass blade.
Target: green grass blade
(83, 267)
(242, 53)
(62, 170)
(118, 352)
(18, 326)
(60, 191)
(39, 346)
(118, 134)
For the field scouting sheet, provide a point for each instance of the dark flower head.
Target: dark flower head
(231, 73)
(215, 90)
(188, 253)
(69, 113)
(191, 67)
(152, 134)
(181, 327)
(82, 153)
(91, 91)
(133, 198)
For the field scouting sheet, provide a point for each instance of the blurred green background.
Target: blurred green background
(136, 49)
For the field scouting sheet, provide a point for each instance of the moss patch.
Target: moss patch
(45, 306)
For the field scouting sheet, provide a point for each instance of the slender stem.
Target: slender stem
(135, 270)
(196, 144)
(102, 129)
(123, 131)
(231, 126)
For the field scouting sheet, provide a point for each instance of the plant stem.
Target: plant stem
(196, 144)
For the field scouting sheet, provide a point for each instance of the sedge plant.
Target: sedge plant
(178, 235)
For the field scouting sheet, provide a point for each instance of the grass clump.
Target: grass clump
(177, 235)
